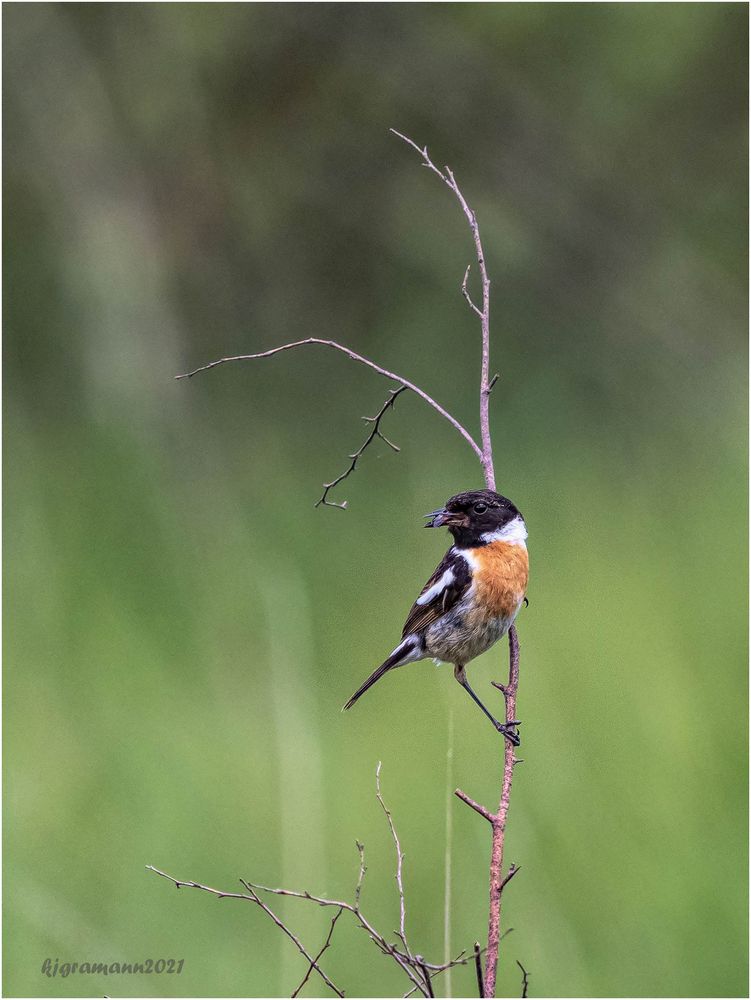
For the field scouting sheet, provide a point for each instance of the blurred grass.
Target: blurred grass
(182, 627)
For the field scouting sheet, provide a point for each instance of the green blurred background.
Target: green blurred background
(182, 626)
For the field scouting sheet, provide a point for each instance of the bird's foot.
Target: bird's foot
(507, 729)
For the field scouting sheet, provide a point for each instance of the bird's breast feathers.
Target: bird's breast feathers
(500, 572)
(470, 601)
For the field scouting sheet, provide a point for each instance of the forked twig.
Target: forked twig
(375, 432)
(525, 979)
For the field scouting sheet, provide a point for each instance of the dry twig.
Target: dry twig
(525, 980)
(375, 432)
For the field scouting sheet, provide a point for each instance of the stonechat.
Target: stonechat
(473, 597)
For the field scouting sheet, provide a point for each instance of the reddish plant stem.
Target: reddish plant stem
(498, 823)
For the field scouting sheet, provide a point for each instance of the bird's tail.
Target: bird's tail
(403, 653)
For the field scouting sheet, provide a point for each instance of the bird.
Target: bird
(474, 595)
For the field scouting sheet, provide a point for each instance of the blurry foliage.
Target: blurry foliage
(188, 180)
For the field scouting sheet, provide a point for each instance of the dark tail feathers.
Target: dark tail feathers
(395, 660)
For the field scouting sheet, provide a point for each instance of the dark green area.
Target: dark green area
(182, 626)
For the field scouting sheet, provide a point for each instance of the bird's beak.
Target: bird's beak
(444, 519)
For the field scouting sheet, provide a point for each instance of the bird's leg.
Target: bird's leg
(506, 730)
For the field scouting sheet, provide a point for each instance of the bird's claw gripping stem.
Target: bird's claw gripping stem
(509, 732)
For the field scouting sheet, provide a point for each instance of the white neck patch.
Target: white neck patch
(515, 532)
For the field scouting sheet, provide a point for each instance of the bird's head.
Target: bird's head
(478, 518)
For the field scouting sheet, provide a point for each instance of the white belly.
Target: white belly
(458, 637)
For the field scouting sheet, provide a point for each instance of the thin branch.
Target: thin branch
(375, 432)
(525, 979)
(254, 898)
(399, 862)
(326, 944)
(355, 357)
(197, 885)
(478, 970)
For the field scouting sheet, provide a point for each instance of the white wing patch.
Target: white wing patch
(438, 587)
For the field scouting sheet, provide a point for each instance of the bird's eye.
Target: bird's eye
(480, 507)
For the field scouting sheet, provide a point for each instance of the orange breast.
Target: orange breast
(500, 576)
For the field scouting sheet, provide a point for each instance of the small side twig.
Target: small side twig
(360, 875)
(525, 980)
(482, 810)
(509, 875)
(466, 294)
(375, 432)
(478, 970)
(326, 944)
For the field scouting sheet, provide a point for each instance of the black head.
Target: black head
(470, 516)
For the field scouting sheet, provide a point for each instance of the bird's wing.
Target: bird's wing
(443, 590)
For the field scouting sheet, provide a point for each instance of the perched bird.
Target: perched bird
(473, 597)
